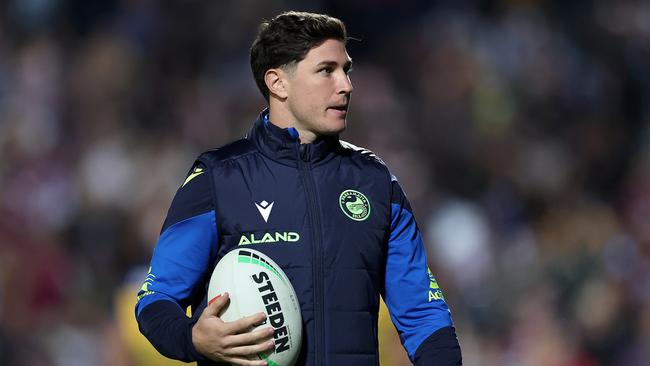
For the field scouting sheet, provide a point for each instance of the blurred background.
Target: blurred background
(518, 128)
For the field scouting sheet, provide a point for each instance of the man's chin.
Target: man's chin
(334, 130)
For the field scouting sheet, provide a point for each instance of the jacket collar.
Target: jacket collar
(283, 144)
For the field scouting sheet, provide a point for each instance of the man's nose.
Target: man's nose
(345, 84)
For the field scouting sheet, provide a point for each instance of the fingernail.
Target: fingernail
(214, 299)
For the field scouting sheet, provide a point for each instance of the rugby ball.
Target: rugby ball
(256, 284)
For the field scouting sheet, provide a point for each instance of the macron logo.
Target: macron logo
(265, 209)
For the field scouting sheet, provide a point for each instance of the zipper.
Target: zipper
(304, 166)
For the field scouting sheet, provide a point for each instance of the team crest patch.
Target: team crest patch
(354, 205)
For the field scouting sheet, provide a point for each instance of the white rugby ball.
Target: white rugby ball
(256, 284)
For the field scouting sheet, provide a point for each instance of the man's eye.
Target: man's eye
(326, 70)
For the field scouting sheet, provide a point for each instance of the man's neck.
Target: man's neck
(283, 120)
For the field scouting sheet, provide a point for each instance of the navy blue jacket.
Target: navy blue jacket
(336, 221)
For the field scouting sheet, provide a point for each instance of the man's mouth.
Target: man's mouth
(342, 108)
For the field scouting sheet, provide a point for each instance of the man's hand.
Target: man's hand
(231, 342)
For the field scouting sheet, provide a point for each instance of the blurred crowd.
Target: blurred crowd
(520, 130)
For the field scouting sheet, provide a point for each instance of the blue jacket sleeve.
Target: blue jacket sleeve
(180, 263)
(412, 294)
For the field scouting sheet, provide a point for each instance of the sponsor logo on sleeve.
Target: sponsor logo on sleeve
(435, 293)
(144, 290)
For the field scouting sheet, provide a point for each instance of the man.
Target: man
(357, 237)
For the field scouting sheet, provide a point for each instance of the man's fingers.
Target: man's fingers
(250, 338)
(245, 324)
(216, 304)
(251, 350)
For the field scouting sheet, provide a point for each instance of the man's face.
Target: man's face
(318, 90)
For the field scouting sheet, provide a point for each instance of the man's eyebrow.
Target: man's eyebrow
(347, 65)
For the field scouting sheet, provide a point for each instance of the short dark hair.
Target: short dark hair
(287, 39)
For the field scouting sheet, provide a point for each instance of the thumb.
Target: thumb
(216, 304)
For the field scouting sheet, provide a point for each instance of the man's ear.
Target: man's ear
(276, 81)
